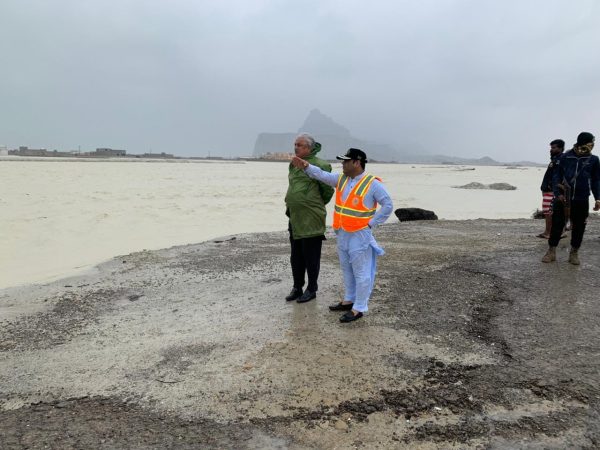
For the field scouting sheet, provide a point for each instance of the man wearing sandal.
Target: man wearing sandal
(354, 217)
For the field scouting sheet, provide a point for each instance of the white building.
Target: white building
(3, 150)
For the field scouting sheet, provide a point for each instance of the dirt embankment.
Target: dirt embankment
(470, 342)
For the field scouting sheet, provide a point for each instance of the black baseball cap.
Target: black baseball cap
(585, 138)
(354, 153)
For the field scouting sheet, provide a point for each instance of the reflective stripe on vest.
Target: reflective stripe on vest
(352, 215)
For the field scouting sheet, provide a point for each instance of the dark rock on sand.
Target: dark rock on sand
(494, 186)
(406, 214)
(502, 187)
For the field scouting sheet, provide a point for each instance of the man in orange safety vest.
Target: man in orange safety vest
(355, 215)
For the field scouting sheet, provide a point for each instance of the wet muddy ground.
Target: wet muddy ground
(470, 342)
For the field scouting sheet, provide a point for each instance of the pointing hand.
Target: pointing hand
(299, 163)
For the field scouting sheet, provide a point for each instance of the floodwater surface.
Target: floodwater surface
(61, 217)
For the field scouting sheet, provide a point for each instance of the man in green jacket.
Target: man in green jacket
(305, 202)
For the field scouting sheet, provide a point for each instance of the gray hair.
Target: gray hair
(309, 140)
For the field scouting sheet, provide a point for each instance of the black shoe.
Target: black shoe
(341, 307)
(294, 294)
(307, 296)
(349, 317)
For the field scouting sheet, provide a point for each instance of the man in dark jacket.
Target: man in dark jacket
(557, 146)
(577, 172)
(305, 201)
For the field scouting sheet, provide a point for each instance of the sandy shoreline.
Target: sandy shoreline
(470, 341)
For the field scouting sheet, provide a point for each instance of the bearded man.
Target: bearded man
(577, 173)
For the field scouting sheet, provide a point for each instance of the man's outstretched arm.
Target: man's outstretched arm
(314, 172)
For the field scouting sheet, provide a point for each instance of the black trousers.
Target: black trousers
(306, 259)
(579, 214)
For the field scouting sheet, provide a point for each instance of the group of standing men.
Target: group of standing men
(570, 178)
(357, 195)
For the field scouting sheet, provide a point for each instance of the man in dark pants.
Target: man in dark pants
(305, 259)
(557, 147)
(305, 201)
(577, 172)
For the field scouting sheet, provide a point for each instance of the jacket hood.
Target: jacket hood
(315, 150)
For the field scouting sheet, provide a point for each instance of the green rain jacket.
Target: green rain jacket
(306, 199)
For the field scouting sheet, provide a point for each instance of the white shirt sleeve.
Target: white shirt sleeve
(325, 177)
(381, 196)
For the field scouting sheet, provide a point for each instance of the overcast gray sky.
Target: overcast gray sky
(461, 77)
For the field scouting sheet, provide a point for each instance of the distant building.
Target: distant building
(108, 152)
(3, 150)
(57, 153)
(26, 151)
(277, 156)
(157, 155)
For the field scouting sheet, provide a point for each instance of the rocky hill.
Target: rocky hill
(336, 139)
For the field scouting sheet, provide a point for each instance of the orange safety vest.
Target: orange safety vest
(352, 215)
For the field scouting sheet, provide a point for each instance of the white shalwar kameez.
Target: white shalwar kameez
(358, 251)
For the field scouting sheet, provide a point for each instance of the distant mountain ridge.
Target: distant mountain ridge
(336, 139)
(320, 124)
